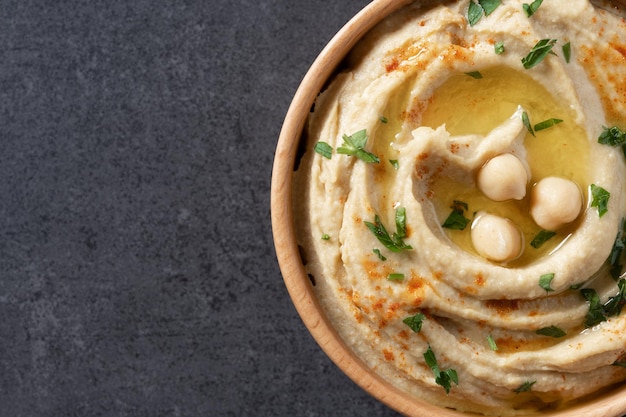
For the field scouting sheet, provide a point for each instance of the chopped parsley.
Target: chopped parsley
(531, 8)
(325, 237)
(545, 281)
(476, 10)
(475, 74)
(456, 220)
(392, 242)
(383, 119)
(415, 322)
(401, 222)
(612, 136)
(541, 238)
(616, 252)
(552, 331)
(380, 255)
(492, 343)
(395, 277)
(394, 163)
(599, 312)
(538, 53)
(526, 122)
(525, 387)
(567, 51)
(546, 124)
(323, 149)
(600, 199)
(499, 48)
(354, 145)
(443, 378)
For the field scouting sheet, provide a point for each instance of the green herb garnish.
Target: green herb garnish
(401, 222)
(392, 242)
(546, 124)
(551, 331)
(383, 119)
(443, 378)
(616, 252)
(595, 315)
(612, 136)
(394, 163)
(567, 51)
(475, 11)
(600, 199)
(492, 343)
(526, 122)
(323, 149)
(456, 220)
(538, 53)
(415, 322)
(613, 307)
(525, 387)
(325, 237)
(499, 48)
(380, 255)
(354, 145)
(395, 277)
(541, 238)
(475, 74)
(531, 8)
(545, 280)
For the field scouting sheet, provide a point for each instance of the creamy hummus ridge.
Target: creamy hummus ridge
(460, 203)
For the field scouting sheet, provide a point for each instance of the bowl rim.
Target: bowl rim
(610, 404)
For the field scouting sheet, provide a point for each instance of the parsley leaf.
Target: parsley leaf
(545, 280)
(415, 322)
(599, 312)
(475, 74)
(595, 315)
(492, 343)
(616, 252)
(538, 53)
(525, 387)
(531, 8)
(325, 237)
(499, 48)
(353, 145)
(394, 163)
(383, 119)
(612, 136)
(600, 199)
(323, 149)
(456, 220)
(546, 124)
(394, 242)
(551, 331)
(526, 122)
(475, 11)
(443, 378)
(401, 222)
(380, 255)
(567, 51)
(541, 238)
(489, 5)
(395, 277)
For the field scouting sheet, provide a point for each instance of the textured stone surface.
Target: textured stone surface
(138, 276)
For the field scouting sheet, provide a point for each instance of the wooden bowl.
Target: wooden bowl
(611, 404)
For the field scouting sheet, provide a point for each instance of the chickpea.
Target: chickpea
(503, 178)
(554, 202)
(496, 238)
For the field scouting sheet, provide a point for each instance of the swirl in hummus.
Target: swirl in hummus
(435, 121)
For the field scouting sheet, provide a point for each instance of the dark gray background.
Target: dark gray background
(138, 275)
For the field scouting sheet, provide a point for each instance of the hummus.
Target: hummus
(433, 265)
